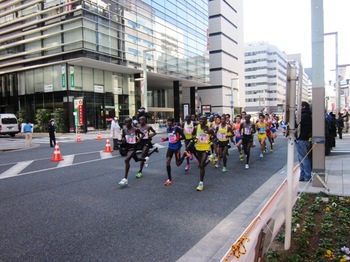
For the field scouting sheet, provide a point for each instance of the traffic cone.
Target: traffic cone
(108, 147)
(78, 138)
(56, 154)
(99, 136)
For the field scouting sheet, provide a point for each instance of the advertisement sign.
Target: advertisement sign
(71, 74)
(63, 77)
(79, 110)
(206, 109)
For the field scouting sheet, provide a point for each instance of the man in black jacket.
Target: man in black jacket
(303, 143)
(52, 131)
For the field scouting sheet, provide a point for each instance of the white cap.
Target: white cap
(115, 118)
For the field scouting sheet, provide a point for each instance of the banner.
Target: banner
(79, 111)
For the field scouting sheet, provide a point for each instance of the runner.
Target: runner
(188, 127)
(238, 137)
(269, 133)
(204, 135)
(261, 128)
(214, 146)
(148, 133)
(174, 136)
(131, 136)
(247, 129)
(222, 134)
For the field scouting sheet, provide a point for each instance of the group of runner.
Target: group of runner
(206, 141)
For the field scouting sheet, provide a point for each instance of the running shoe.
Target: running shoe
(246, 166)
(200, 186)
(224, 169)
(168, 182)
(216, 159)
(156, 149)
(187, 167)
(146, 161)
(139, 175)
(241, 157)
(261, 155)
(211, 157)
(271, 150)
(217, 165)
(123, 182)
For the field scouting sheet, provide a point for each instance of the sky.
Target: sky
(287, 25)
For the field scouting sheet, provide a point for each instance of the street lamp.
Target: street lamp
(232, 102)
(144, 67)
(337, 85)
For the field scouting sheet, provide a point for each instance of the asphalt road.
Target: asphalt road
(79, 212)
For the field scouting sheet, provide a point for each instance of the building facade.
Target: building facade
(88, 56)
(226, 91)
(265, 78)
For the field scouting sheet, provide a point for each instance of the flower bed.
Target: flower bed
(320, 231)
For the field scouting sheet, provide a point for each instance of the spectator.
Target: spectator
(116, 133)
(333, 130)
(52, 132)
(303, 142)
(340, 125)
(28, 131)
(346, 119)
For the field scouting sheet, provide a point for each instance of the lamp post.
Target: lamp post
(337, 85)
(232, 102)
(144, 67)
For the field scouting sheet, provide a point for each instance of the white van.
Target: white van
(8, 124)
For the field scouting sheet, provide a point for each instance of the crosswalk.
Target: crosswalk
(31, 166)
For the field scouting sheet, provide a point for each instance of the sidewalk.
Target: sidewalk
(337, 171)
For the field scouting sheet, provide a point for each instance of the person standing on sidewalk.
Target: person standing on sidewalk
(116, 133)
(28, 132)
(303, 143)
(340, 125)
(52, 132)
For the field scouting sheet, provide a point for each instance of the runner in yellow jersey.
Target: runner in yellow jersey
(223, 132)
(261, 128)
(204, 135)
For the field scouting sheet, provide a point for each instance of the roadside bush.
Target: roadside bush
(42, 118)
(59, 115)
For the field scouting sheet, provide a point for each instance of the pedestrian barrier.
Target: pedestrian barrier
(258, 236)
(99, 136)
(78, 138)
(56, 154)
(108, 148)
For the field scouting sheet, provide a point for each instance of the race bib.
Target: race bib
(247, 131)
(130, 139)
(145, 135)
(262, 130)
(188, 130)
(202, 138)
(220, 135)
(172, 138)
(237, 133)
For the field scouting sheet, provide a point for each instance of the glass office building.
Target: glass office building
(56, 52)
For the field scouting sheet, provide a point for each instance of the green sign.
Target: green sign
(63, 76)
(71, 74)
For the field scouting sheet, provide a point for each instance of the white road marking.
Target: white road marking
(105, 155)
(16, 169)
(68, 160)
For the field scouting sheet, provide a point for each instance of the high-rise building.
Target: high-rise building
(265, 78)
(87, 56)
(226, 45)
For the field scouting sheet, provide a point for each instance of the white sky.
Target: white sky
(287, 25)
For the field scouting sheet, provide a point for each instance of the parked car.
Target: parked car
(8, 125)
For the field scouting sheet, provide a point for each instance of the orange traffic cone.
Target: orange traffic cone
(78, 138)
(99, 136)
(56, 154)
(108, 147)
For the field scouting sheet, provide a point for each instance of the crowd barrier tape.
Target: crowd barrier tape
(259, 235)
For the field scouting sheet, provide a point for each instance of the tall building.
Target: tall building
(265, 78)
(87, 56)
(226, 45)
